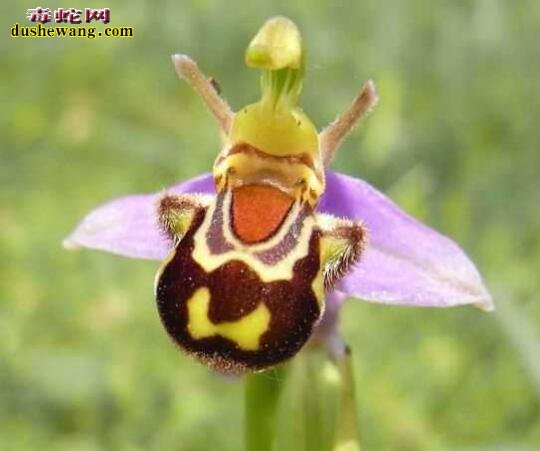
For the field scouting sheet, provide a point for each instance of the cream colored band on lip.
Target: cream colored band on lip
(283, 270)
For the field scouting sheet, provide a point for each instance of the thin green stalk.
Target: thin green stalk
(262, 391)
(347, 436)
(319, 399)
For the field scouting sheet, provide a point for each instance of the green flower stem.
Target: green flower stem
(318, 389)
(347, 436)
(317, 411)
(262, 392)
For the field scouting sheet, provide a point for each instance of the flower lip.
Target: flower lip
(405, 262)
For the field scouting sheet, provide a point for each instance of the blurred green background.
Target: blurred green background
(84, 362)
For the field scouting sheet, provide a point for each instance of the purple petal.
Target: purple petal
(127, 225)
(405, 261)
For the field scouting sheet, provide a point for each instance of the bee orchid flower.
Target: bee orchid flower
(255, 251)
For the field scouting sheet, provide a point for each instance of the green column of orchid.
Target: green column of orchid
(276, 124)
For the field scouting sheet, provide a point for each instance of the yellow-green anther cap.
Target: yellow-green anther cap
(277, 45)
(275, 124)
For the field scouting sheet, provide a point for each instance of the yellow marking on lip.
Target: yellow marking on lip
(318, 290)
(245, 332)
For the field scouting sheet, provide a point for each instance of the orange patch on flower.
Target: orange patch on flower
(257, 211)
